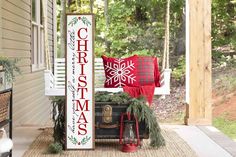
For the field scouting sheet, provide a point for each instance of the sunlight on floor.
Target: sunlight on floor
(22, 138)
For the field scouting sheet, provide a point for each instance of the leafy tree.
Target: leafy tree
(124, 27)
(223, 23)
(136, 26)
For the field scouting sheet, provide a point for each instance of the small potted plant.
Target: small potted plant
(7, 75)
(8, 68)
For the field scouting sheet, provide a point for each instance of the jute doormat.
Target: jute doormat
(175, 147)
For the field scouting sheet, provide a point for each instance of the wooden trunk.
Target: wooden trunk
(107, 121)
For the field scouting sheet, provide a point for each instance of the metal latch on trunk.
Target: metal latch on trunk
(107, 114)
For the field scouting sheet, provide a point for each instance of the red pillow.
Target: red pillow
(120, 72)
(156, 72)
(147, 72)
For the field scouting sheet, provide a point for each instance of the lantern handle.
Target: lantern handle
(137, 130)
(128, 115)
(121, 127)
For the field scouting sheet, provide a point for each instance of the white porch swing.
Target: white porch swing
(55, 83)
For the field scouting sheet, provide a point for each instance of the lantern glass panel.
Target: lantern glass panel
(129, 135)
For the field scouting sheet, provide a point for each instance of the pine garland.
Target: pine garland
(144, 113)
(139, 108)
(119, 98)
(136, 106)
(59, 119)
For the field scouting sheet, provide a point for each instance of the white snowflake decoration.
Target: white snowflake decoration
(119, 72)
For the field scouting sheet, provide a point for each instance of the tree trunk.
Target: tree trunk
(62, 26)
(180, 43)
(107, 24)
(91, 6)
(68, 3)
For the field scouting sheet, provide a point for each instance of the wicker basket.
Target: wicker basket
(4, 101)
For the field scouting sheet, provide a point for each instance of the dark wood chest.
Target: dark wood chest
(107, 121)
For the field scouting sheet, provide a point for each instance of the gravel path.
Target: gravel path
(172, 108)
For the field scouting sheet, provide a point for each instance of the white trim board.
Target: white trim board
(187, 99)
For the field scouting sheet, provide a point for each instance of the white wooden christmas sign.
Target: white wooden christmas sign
(79, 82)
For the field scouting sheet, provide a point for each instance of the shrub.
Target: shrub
(55, 148)
(178, 73)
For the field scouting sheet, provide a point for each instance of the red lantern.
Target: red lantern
(129, 132)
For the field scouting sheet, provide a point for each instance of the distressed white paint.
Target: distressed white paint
(79, 82)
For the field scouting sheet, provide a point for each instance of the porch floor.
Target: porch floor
(204, 140)
(22, 139)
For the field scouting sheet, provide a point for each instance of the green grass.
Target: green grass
(225, 83)
(226, 126)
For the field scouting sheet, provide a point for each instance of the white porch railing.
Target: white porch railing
(55, 84)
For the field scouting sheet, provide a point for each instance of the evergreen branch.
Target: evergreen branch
(137, 106)
(144, 113)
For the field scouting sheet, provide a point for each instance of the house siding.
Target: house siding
(30, 105)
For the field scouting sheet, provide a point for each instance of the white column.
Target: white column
(54, 31)
(187, 52)
(198, 54)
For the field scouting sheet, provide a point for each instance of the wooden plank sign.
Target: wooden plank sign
(79, 82)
